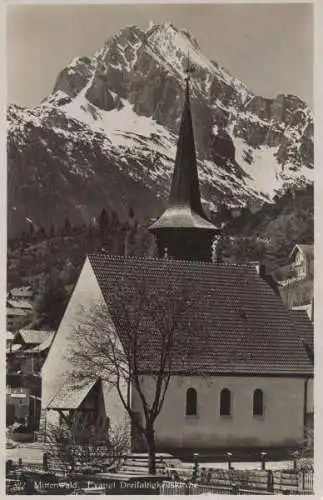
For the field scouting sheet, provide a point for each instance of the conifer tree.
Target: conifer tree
(103, 221)
(67, 225)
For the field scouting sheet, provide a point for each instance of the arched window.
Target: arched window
(258, 402)
(191, 402)
(225, 402)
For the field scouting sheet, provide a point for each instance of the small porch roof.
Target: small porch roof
(71, 395)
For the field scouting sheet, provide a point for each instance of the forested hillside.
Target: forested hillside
(50, 259)
(270, 234)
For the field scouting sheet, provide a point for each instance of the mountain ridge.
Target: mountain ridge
(108, 132)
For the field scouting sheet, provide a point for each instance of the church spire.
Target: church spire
(185, 188)
(184, 228)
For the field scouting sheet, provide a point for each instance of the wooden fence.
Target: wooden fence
(188, 488)
(259, 481)
(196, 480)
(178, 488)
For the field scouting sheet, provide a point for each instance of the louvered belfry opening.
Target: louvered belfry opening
(183, 231)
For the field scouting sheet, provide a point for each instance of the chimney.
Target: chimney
(256, 263)
(261, 271)
(260, 268)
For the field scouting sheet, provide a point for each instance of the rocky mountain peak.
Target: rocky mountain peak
(109, 129)
(72, 79)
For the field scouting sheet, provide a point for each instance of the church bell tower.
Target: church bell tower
(183, 231)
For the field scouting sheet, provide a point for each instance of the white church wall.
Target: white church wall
(57, 367)
(115, 411)
(280, 425)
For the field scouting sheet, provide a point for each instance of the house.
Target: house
(16, 318)
(25, 357)
(22, 407)
(302, 259)
(300, 266)
(299, 296)
(295, 280)
(17, 405)
(21, 293)
(29, 350)
(19, 307)
(18, 313)
(9, 340)
(32, 338)
(20, 304)
(242, 364)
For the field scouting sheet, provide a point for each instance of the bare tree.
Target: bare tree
(135, 335)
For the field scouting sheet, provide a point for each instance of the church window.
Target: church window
(191, 402)
(225, 402)
(258, 402)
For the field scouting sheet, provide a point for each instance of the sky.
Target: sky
(267, 46)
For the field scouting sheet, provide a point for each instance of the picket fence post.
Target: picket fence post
(270, 481)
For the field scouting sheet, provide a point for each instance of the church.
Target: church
(241, 374)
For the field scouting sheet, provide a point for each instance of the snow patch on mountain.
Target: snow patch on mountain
(263, 169)
(266, 175)
(122, 126)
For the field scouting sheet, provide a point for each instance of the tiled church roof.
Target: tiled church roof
(235, 324)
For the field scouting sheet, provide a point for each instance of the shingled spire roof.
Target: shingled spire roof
(184, 206)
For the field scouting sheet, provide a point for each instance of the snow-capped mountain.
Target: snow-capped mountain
(107, 134)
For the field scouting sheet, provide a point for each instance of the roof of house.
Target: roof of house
(10, 335)
(13, 348)
(307, 249)
(44, 345)
(24, 291)
(34, 336)
(19, 304)
(235, 323)
(12, 311)
(71, 395)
